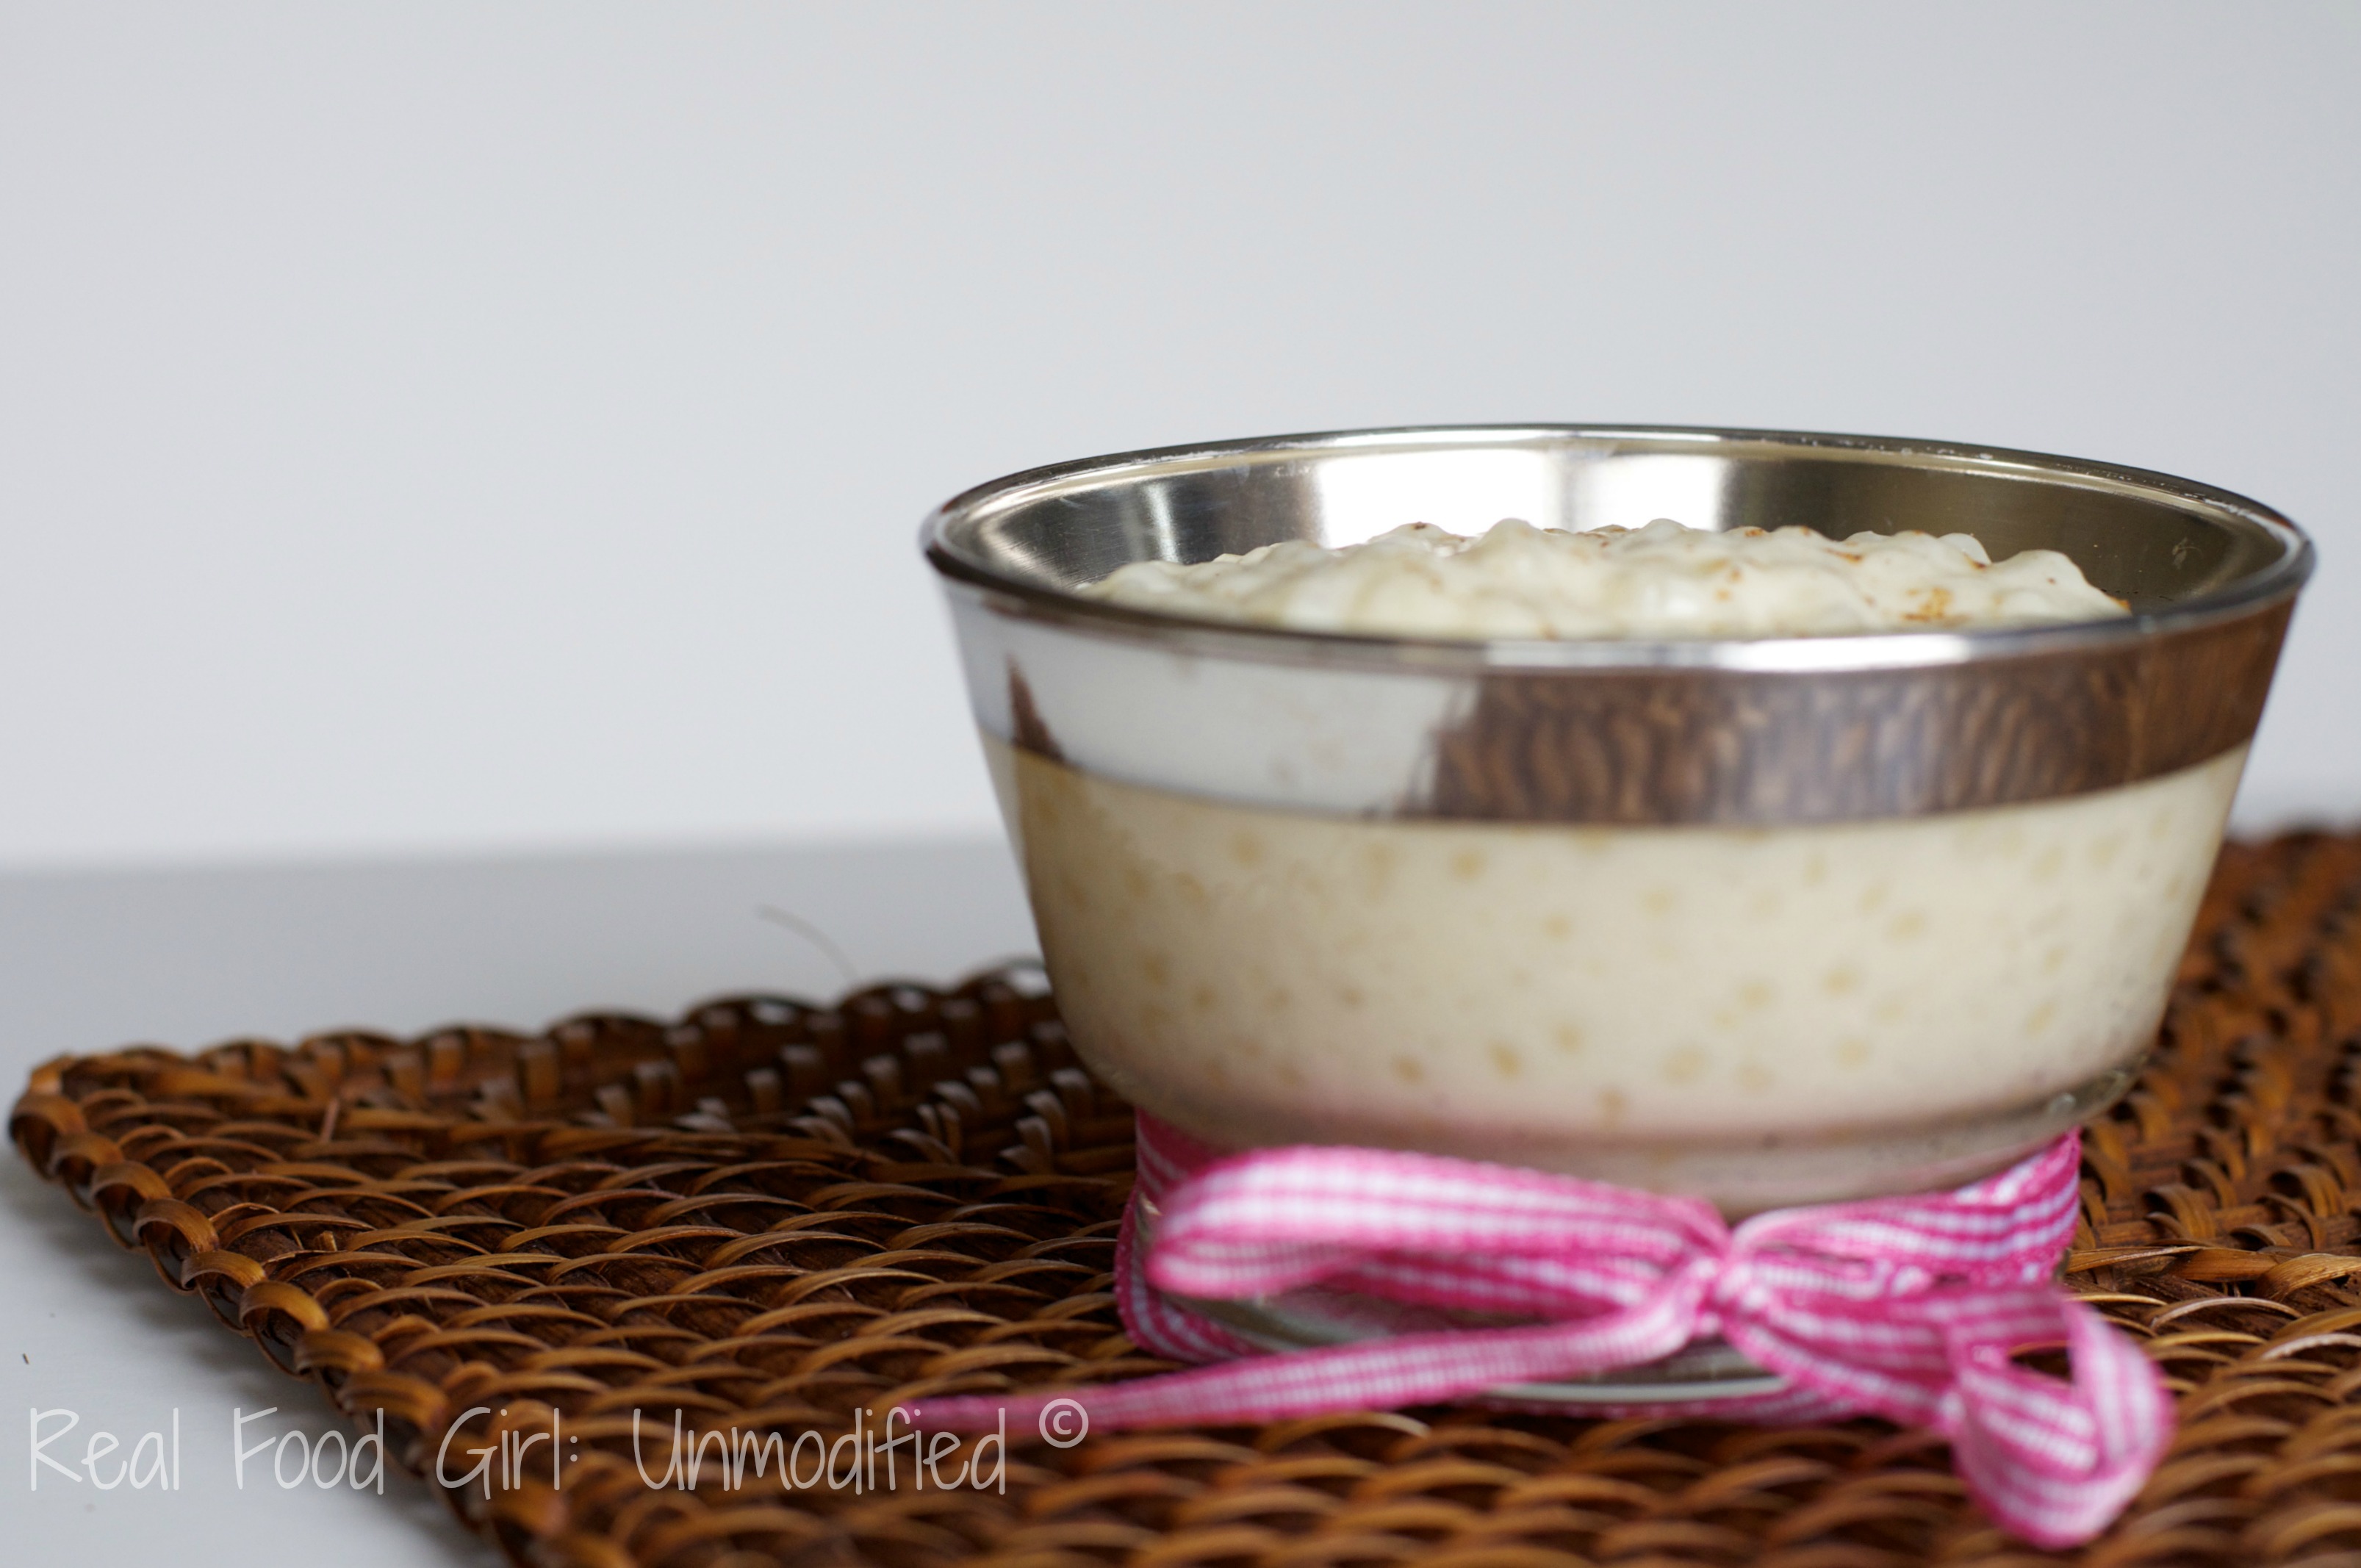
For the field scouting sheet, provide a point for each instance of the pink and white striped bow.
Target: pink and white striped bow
(1909, 1307)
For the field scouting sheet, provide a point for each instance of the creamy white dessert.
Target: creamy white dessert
(1664, 580)
(1921, 997)
(1549, 995)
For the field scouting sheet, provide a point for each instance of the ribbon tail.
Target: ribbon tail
(1414, 1369)
(2056, 1463)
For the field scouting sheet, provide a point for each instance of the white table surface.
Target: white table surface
(188, 957)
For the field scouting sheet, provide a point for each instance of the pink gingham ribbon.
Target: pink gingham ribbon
(1908, 1308)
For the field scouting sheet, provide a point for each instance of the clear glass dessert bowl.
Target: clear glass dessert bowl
(1766, 921)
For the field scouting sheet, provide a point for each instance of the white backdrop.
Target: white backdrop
(470, 428)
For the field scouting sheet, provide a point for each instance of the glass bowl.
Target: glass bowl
(1766, 921)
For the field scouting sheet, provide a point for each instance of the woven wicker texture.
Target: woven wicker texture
(770, 1215)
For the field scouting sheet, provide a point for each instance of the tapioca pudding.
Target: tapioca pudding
(1767, 863)
(1664, 580)
(1654, 1003)
(1656, 1006)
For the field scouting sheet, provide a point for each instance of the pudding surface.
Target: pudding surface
(1663, 581)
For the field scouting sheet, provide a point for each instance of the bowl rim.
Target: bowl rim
(2276, 581)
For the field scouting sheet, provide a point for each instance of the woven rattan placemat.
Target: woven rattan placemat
(770, 1215)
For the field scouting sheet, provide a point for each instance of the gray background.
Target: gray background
(458, 464)
(472, 428)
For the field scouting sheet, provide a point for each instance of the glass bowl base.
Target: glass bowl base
(1315, 1316)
